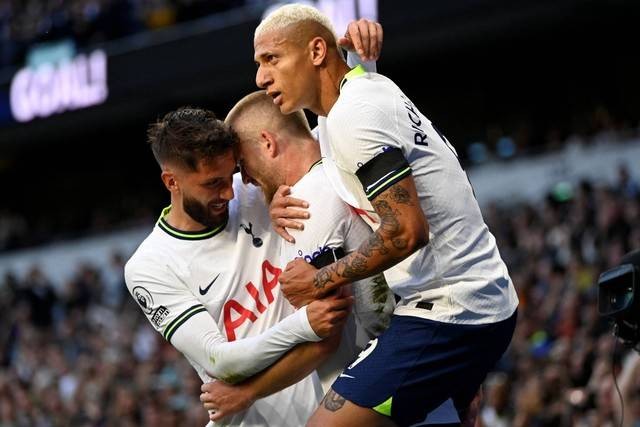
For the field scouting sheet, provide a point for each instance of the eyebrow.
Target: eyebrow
(211, 180)
(261, 55)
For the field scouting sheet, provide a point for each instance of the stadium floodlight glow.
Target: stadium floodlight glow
(53, 88)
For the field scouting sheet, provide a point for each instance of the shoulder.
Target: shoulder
(150, 260)
(368, 101)
(316, 188)
(372, 90)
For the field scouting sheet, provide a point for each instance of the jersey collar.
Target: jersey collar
(187, 235)
(314, 165)
(357, 71)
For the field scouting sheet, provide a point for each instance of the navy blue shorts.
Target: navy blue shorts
(417, 366)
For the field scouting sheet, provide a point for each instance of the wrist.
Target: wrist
(325, 281)
(250, 392)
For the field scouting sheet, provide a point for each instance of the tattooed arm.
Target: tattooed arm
(403, 230)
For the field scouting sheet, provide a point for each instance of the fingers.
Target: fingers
(216, 415)
(293, 202)
(353, 34)
(282, 191)
(363, 31)
(282, 232)
(288, 213)
(375, 40)
(284, 210)
(281, 199)
(345, 43)
(365, 37)
(287, 205)
(288, 223)
(337, 304)
(294, 263)
(339, 317)
(380, 36)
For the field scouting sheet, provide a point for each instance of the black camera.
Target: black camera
(618, 298)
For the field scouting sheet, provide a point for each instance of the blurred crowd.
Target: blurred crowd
(521, 137)
(560, 368)
(26, 22)
(82, 354)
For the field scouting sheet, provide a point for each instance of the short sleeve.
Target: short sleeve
(160, 295)
(366, 144)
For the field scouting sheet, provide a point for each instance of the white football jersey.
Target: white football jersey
(373, 137)
(333, 224)
(220, 287)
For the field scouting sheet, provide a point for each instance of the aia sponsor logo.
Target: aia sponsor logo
(235, 314)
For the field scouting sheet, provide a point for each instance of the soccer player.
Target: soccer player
(211, 288)
(275, 150)
(207, 280)
(458, 305)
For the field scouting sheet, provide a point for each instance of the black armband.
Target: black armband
(383, 171)
(327, 257)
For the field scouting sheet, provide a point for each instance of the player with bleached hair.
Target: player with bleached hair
(206, 277)
(458, 305)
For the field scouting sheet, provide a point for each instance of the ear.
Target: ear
(317, 50)
(169, 180)
(269, 142)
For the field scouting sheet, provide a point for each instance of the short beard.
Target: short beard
(200, 213)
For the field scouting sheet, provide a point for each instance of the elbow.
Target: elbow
(226, 374)
(419, 240)
(412, 240)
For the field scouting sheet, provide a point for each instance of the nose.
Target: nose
(227, 191)
(263, 78)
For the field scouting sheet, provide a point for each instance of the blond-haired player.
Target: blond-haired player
(385, 158)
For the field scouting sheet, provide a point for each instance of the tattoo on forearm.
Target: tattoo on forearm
(374, 243)
(354, 266)
(333, 401)
(400, 195)
(389, 223)
(399, 243)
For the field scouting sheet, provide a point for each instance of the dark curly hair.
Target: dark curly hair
(188, 135)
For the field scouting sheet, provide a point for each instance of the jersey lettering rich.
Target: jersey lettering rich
(374, 137)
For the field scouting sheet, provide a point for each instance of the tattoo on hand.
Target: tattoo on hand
(322, 277)
(333, 401)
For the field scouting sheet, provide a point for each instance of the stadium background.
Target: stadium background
(541, 99)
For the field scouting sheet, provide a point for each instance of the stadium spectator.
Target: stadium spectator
(24, 23)
(86, 367)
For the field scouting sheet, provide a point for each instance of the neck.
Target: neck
(330, 78)
(179, 219)
(299, 159)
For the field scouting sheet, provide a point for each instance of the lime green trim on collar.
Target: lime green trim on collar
(385, 407)
(356, 71)
(186, 235)
(314, 165)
